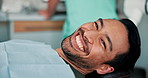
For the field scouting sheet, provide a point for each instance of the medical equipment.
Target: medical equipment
(135, 9)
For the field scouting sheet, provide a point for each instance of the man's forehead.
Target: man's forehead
(109, 20)
(117, 33)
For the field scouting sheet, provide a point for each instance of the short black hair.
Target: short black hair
(126, 61)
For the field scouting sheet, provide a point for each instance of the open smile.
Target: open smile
(78, 42)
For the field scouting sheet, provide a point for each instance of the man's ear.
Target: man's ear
(104, 68)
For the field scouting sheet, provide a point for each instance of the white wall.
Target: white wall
(54, 38)
(4, 32)
(143, 30)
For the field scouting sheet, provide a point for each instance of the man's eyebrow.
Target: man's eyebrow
(101, 22)
(96, 25)
(110, 43)
(109, 40)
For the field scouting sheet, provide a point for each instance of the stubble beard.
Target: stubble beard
(73, 58)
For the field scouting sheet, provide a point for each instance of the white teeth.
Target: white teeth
(79, 43)
(82, 49)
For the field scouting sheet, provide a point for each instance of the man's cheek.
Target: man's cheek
(97, 50)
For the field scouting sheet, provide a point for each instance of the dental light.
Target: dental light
(135, 9)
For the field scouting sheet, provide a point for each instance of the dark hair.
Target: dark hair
(126, 61)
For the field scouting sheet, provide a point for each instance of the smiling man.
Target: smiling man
(96, 49)
(104, 46)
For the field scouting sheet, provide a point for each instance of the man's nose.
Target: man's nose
(90, 36)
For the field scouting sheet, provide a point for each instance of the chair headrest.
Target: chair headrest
(119, 74)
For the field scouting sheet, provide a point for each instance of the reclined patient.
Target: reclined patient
(96, 49)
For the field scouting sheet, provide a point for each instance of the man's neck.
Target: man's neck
(62, 55)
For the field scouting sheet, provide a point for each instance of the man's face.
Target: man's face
(95, 43)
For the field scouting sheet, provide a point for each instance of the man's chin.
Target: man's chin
(65, 44)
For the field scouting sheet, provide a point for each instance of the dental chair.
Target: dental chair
(121, 74)
(137, 73)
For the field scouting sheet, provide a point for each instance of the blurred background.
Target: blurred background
(19, 20)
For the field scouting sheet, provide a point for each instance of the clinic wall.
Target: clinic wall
(4, 31)
(143, 30)
(0, 3)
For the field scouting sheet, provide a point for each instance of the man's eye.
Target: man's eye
(103, 42)
(96, 25)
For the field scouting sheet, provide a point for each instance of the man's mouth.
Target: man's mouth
(79, 43)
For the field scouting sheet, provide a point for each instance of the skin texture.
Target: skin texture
(97, 42)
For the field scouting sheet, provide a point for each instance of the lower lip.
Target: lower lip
(73, 42)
